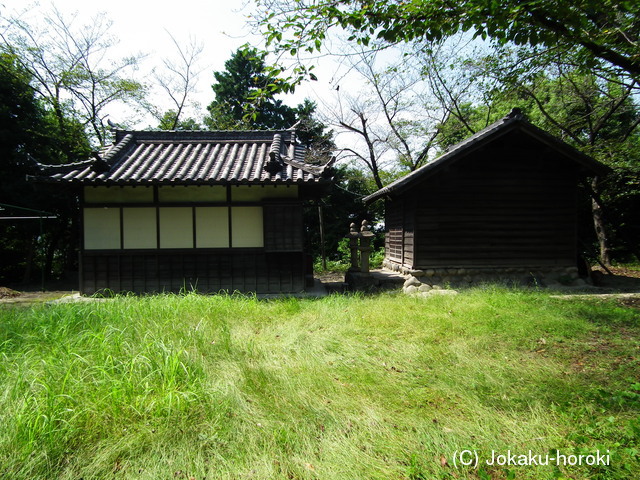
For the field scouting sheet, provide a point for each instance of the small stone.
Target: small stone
(430, 272)
(424, 287)
(436, 287)
(416, 273)
(410, 289)
(461, 271)
(412, 281)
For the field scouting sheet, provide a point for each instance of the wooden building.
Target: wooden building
(504, 200)
(212, 211)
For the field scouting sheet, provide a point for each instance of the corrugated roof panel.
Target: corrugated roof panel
(138, 166)
(86, 173)
(169, 169)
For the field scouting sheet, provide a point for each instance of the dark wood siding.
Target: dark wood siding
(207, 272)
(501, 207)
(394, 227)
(409, 231)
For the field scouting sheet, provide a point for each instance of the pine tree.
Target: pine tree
(234, 108)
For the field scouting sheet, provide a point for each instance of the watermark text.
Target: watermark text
(471, 458)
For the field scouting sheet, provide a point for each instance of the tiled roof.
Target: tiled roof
(515, 120)
(189, 157)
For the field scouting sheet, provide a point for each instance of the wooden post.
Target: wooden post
(322, 252)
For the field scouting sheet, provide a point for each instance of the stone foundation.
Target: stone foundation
(440, 278)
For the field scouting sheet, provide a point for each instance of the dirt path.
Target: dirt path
(9, 296)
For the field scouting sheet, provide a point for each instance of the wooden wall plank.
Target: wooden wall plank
(208, 272)
(504, 206)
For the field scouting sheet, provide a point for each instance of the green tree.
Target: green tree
(389, 118)
(235, 88)
(607, 30)
(341, 206)
(21, 118)
(28, 132)
(72, 70)
(572, 66)
(313, 133)
(234, 107)
(68, 80)
(171, 120)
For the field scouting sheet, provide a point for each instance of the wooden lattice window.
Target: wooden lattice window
(283, 228)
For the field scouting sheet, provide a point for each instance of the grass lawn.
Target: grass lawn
(345, 387)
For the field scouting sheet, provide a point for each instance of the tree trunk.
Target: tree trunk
(29, 258)
(599, 225)
(51, 249)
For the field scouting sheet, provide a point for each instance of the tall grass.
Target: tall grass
(347, 387)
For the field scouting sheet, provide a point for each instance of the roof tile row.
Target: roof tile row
(195, 158)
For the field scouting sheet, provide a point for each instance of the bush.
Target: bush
(342, 263)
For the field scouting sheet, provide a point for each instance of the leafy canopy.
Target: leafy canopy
(601, 29)
(71, 67)
(29, 129)
(171, 120)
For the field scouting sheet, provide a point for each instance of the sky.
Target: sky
(221, 26)
(146, 26)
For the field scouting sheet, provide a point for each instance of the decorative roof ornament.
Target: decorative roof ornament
(274, 165)
(99, 165)
(516, 113)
